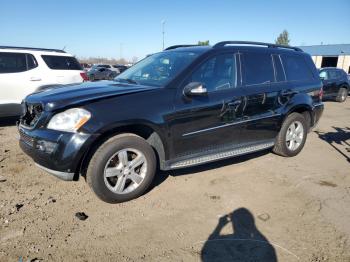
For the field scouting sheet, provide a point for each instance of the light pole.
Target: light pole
(163, 22)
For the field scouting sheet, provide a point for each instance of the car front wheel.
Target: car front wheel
(122, 168)
(292, 136)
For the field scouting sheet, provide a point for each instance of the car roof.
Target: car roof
(331, 68)
(33, 50)
(237, 45)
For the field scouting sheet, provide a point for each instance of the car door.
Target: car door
(334, 81)
(261, 91)
(326, 81)
(18, 76)
(208, 122)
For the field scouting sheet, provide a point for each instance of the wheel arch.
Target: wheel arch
(303, 109)
(149, 133)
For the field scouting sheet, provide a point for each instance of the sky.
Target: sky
(133, 28)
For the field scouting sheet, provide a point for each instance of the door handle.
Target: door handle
(35, 79)
(288, 92)
(234, 103)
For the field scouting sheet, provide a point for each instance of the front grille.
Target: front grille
(25, 138)
(31, 114)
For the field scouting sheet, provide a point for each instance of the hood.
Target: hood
(60, 97)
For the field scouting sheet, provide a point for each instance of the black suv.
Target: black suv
(335, 83)
(185, 106)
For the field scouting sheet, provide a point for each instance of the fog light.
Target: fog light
(45, 146)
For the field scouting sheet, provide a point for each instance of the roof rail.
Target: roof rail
(33, 49)
(269, 45)
(177, 46)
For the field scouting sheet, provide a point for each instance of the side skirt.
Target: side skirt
(210, 156)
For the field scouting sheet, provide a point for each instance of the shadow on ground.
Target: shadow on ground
(338, 139)
(8, 121)
(246, 243)
(163, 175)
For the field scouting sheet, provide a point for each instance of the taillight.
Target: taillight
(320, 93)
(84, 76)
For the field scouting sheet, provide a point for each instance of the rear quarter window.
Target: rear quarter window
(296, 68)
(61, 62)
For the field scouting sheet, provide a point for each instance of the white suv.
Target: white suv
(26, 70)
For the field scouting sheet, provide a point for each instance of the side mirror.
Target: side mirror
(195, 89)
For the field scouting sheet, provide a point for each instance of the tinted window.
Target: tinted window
(257, 68)
(296, 68)
(31, 62)
(61, 62)
(12, 62)
(158, 69)
(279, 71)
(217, 73)
(333, 74)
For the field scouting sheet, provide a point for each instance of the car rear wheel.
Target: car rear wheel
(122, 168)
(292, 136)
(342, 95)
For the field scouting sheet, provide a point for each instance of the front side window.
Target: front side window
(217, 73)
(158, 69)
(257, 68)
(61, 62)
(12, 62)
(296, 68)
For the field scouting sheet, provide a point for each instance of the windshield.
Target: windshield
(157, 69)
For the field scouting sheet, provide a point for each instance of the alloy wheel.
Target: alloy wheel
(295, 135)
(125, 171)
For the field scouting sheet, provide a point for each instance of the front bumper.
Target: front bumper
(58, 153)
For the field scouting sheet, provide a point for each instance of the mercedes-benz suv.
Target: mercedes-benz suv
(185, 106)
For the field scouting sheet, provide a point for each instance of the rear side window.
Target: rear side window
(12, 62)
(257, 68)
(279, 71)
(61, 62)
(332, 74)
(31, 62)
(296, 68)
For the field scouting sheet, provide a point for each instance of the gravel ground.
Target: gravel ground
(244, 209)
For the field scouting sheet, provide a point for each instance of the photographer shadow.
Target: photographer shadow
(246, 243)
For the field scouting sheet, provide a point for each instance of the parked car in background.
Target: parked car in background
(101, 73)
(182, 107)
(335, 83)
(121, 68)
(106, 66)
(26, 70)
(85, 66)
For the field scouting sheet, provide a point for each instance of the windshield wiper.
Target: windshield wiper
(128, 80)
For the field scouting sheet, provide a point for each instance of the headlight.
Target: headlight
(70, 120)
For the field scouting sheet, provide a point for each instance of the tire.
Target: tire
(110, 165)
(342, 95)
(91, 78)
(282, 146)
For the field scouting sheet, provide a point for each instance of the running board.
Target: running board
(220, 155)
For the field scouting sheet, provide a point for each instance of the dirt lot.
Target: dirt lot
(248, 208)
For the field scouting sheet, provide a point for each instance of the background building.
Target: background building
(330, 55)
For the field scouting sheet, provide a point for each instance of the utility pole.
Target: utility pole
(163, 32)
